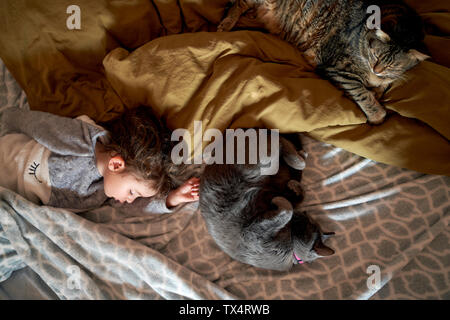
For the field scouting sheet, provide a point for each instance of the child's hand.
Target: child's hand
(187, 192)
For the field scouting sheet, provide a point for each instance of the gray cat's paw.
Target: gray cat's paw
(296, 187)
(282, 203)
(303, 154)
(293, 157)
(295, 161)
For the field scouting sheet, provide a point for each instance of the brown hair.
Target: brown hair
(143, 141)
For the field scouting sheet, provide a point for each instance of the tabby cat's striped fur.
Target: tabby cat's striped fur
(335, 39)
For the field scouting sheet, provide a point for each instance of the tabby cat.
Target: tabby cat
(336, 40)
(252, 217)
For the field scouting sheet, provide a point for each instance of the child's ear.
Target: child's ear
(116, 164)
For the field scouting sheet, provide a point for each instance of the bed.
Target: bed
(383, 190)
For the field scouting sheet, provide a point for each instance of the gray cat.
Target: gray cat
(337, 41)
(252, 217)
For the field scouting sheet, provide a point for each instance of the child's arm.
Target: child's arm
(142, 205)
(62, 135)
(187, 192)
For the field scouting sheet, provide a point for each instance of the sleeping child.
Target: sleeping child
(79, 165)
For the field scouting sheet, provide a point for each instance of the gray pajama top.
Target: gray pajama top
(57, 153)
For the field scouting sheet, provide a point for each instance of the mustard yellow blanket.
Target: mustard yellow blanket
(165, 54)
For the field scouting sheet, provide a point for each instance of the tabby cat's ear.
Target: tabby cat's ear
(418, 55)
(383, 36)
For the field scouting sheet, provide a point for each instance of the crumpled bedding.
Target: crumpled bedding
(227, 80)
(394, 219)
(383, 216)
(102, 254)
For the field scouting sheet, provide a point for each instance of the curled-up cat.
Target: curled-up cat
(337, 40)
(252, 217)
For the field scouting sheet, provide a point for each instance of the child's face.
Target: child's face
(124, 186)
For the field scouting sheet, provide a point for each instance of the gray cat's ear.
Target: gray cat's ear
(320, 248)
(418, 55)
(327, 235)
(282, 203)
